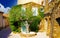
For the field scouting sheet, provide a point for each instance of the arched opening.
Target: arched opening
(58, 20)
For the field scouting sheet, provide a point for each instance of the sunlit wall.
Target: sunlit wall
(26, 1)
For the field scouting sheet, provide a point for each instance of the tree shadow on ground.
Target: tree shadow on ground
(4, 33)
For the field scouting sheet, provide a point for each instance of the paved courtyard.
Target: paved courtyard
(39, 35)
(6, 33)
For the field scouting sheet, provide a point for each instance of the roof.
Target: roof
(1, 12)
(5, 15)
(26, 1)
(32, 4)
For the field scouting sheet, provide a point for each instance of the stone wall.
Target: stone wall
(1, 20)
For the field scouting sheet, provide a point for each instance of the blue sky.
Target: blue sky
(8, 3)
(5, 5)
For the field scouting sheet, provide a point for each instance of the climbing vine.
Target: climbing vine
(17, 16)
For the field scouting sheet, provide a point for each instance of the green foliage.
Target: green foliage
(19, 16)
(34, 24)
(41, 12)
(36, 20)
(14, 16)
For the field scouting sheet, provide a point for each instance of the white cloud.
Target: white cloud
(7, 9)
(2, 8)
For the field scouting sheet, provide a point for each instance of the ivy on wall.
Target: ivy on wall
(17, 16)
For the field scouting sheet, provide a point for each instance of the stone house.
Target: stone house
(1, 20)
(5, 20)
(34, 7)
(3, 17)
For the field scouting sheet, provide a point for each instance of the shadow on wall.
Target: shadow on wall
(4, 33)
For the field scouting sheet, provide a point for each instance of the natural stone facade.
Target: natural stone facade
(56, 14)
(1, 20)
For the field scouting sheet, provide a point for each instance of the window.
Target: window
(49, 0)
(58, 20)
(23, 9)
(41, 9)
(35, 11)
